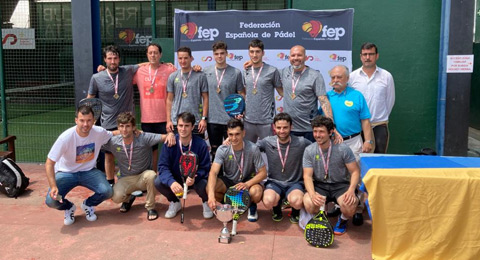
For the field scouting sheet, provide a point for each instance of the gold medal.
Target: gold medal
(151, 90)
(293, 95)
(218, 90)
(129, 168)
(254, 91)
(184, 95)
(116, 96)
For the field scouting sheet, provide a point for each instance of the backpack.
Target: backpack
(12, 179)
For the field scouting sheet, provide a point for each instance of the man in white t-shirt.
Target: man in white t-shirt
(71, 163)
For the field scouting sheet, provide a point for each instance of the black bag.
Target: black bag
(12, 179)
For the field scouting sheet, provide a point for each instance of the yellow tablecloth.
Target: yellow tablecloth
(424, 213)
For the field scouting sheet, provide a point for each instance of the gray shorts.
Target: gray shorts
(253, 132)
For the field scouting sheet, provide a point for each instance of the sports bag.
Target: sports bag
(12, 179)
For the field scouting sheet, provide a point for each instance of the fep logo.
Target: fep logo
(127, 35)
(314, 28)
(335, 57)
(282, 56)
(189, 29)
(208, 58)
(232, 56)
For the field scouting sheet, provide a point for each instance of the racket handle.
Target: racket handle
(234, 227)
(182, 218)
(185, 189)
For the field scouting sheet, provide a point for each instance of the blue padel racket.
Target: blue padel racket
(234, 105)
(95, 104)
(188, 163)
(240, 201)
(318, 231)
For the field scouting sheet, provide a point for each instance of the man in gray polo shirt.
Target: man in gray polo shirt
(285, 177)
(261, 80)
(243, 167)
(114, 88)
(223, 80)
(330, 172)
(303, 87)
(187, 91)
(134, 156)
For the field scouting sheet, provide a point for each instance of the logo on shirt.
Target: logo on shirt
(348, 103)
(316, 28)
(119, 149)
(230, 157)
(317, 157)
(191, 29)
(85, 153)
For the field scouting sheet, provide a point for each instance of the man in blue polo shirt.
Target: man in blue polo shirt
(350, 112)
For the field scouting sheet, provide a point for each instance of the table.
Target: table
(423, 207)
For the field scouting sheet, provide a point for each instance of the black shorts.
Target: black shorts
(332, 190)
(157, 128)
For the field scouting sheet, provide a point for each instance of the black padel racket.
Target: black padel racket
(240, 201)
(318, 231)
(95, 104)
(188, 168)
(234, 105)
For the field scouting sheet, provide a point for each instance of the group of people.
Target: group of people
(311, 159)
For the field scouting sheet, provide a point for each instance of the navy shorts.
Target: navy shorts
(282, 190)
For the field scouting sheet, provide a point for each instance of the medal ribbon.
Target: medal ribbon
(282, 160)
(325, 165)
(240, 166)
(221, 77)
(131, 154)
(189, 147)
(184, 83)
(295, 83)
(115, 82)
(256, 79)
(150, 75)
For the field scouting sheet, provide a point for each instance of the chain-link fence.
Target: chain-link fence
(38, 58)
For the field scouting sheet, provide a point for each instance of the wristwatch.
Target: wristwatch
(204, 118)
(369, 141)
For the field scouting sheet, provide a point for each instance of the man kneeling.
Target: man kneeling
(243, 167)
(330, 172)
(134, 157)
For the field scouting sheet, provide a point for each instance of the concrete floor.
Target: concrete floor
(31, 230)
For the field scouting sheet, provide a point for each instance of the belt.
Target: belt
(350, 136)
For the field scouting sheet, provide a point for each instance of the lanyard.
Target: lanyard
(295, 83)
(180, 147)
(325, 165)
(131, 154)
(219, 81)
(150, 75)
(240, 166)
(184, 83)
(282, 160)
(115, 82)
(255, 80)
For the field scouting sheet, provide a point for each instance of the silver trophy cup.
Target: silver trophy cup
(224, 213)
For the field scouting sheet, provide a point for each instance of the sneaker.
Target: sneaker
(277, 214)
(334, 211)
(89, 212)
(252, 213)
(173, 209)
(357, 219)
(294, 216)
(341, 227)
(207, 211)
(69, 215)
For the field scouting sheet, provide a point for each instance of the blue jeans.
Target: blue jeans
(93, 179)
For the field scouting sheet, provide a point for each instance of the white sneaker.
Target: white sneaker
(207, 211)
(89, 212)
(69, 215)
(252, 213)
(173, 209)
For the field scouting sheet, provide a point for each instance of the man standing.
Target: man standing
(302, 87)
(152, 87)
(261, 80)
(330, 172)
(71, 163)
(243, 168)
(169, 180)
(187, 91)
(285, 177)
(223, 80)
(113, 87)
(350, 112)
(378, 88)
(134, 156)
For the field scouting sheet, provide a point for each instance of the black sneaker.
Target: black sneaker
(335, 211)
(277, 215)
(357, 219)
(294, 216)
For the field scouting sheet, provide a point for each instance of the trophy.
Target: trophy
(224, 213)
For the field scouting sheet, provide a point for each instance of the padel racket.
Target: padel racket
(188, 168)
(318, 231)
(240, 201)
(234, 105)
(95, 104)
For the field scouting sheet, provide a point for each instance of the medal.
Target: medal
(295, 82)
(254, 91)
(185, 83)
(293, 95)
(218, 90)
(184, 95)
(151, 89)
(115, 84)
(116, 96)
(255, 80)
(219, 80)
